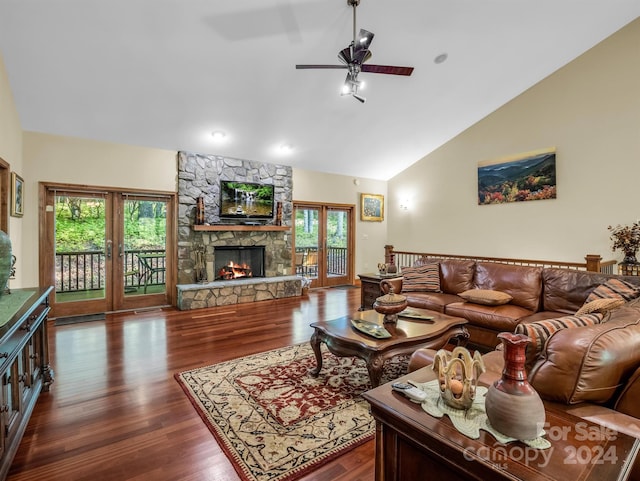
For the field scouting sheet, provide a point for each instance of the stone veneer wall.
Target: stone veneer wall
(199, 176)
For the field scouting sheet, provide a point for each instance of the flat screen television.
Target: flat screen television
(246, 200)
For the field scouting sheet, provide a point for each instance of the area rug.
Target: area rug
(273, 420)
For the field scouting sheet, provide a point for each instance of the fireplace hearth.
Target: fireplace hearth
(238, 262)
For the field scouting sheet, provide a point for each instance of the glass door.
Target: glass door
(82, 251)
(105, 251)
(324, 243)
(336, 247)
(142, 250)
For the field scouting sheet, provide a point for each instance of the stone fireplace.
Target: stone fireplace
(203, 248)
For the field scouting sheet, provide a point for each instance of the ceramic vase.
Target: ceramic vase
(514, 407)
(6, 262)
(630, 257)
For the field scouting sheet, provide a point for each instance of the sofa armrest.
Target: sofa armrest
(395, 282)
(627, 402)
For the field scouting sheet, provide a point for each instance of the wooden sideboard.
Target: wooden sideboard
(370, 289)
(24, 366)
(411, 443)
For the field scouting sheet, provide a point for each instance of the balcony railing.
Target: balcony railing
(336, 261)
(85, 270)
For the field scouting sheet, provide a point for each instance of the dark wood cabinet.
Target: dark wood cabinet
(24, 364)
(370, 289)
(410, 443)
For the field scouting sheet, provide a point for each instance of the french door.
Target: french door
(324, 243)
(106, 250)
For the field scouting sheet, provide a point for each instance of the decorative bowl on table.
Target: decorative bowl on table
(390, 305)
(458, 375)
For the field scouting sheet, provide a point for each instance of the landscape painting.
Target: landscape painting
(530, 176)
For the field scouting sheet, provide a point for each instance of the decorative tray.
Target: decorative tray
(370, 328)
(413, 314)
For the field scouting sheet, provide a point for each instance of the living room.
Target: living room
(589, 110)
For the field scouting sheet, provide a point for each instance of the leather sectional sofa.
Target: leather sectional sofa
(590, 371)
(536, 293)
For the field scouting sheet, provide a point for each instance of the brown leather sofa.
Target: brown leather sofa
(538, 293)
(591, 372)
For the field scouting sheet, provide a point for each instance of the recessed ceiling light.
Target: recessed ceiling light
(441, 58)
(218, 135)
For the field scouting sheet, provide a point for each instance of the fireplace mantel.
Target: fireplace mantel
(240, 227)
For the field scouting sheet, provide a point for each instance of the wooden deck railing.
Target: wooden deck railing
(85, 270)
(593, 262)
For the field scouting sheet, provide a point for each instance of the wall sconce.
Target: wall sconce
(404, 204)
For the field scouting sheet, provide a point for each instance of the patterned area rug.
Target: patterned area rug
(273, 420)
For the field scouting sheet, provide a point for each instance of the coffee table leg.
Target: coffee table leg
(374, 366)
(315, 345)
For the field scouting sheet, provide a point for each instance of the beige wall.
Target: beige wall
(590, 111)
(53, 158)
(339, 189)
(11, 152)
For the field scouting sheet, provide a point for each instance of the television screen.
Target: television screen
(246, 200)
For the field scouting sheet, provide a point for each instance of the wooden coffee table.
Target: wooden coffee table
(407, 335)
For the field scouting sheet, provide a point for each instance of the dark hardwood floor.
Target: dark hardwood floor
(115, 411)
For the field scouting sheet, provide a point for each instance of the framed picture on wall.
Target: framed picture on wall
(17, 195)
(518, 178)
(372, 207)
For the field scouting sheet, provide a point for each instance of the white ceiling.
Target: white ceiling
(166, 73)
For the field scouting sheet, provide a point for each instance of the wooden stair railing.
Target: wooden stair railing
(593, 262)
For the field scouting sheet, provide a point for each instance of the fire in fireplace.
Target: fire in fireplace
(238, 262)
(234, 271)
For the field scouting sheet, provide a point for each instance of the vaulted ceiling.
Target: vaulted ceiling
(167, 73)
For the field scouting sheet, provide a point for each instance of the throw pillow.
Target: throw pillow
(600, 305)
(425, 278)
(614, 288)
(486, 297)
(541, 331)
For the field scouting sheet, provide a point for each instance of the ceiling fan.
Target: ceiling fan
(354, 57)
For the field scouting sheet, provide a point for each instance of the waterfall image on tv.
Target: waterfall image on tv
(246, 200)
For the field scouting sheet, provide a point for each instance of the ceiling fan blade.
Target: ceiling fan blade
(319, 66)
(387, 69)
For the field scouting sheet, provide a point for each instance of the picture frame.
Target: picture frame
(518, 178)
(17, 195)
(372, 207)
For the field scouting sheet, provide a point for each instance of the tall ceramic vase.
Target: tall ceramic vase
(514, 407)
(5, 260)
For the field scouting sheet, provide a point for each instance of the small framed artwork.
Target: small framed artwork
(372, 207)
(17, 195)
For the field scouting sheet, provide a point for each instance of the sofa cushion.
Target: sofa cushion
(425, 277)
(523, 283)
(565, 290)
(540, 331)
(600, 305)
(486, 297)
(435, 301)
(589, 363)
(456, 275)
(614, 288)
(496, 318)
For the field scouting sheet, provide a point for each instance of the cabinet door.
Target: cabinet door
(11, 390)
